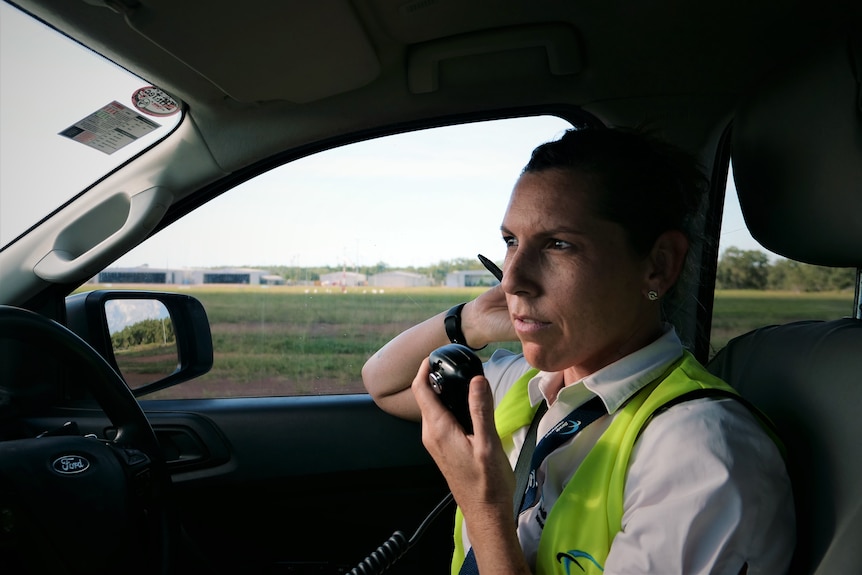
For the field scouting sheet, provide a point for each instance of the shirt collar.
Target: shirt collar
(616, 382)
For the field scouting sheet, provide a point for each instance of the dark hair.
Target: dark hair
(646, 186)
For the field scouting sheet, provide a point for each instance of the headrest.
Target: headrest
(797, 157)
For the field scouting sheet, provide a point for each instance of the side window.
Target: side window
(308, 269)
(756, 287)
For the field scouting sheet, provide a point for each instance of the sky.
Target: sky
(408, 200)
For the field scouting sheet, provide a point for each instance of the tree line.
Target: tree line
(148, 331)
(751, 269)
(737, 269)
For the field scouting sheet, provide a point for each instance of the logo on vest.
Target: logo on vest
(570, 558)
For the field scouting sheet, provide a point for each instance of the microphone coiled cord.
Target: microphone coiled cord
(396, 546)
(384, 556)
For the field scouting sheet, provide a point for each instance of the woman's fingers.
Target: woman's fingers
(481, 403)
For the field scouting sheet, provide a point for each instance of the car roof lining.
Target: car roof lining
(696, 58)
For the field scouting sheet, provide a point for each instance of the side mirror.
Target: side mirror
(153, 339)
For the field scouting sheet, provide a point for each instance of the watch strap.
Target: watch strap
(452, 323)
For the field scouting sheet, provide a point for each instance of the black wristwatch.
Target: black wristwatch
(452, 323)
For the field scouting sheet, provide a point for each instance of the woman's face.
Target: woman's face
(574, 288)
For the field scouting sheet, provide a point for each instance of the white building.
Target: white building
(470, 278)
(399, 279)
(343, 278)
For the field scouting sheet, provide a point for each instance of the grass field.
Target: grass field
(280, 340)
(736, 312)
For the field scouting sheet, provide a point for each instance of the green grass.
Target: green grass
(738, 311)
(292, 341)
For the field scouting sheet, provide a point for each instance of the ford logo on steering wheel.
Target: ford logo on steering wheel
(70, 464)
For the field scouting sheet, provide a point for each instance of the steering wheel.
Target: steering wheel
(76, 504)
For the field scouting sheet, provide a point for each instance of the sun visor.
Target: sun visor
(306, 59)
(797, 157)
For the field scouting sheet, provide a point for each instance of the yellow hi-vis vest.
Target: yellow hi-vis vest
(585, 519)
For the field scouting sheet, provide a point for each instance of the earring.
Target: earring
(652, 295)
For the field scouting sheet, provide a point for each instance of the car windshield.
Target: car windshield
(69, 117)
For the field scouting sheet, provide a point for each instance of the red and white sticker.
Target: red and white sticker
(154, 102)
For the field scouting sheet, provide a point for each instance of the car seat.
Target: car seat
(796, 146)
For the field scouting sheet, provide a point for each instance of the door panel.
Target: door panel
(311, 485)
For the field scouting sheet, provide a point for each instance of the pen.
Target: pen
(491, 267)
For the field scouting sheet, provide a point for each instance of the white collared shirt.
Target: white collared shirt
(706, 488)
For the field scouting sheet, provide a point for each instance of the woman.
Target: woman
(596, 240)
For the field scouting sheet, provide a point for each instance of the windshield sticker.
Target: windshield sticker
(155, 102)
(111, 128)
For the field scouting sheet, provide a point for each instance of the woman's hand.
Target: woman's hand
(477, 471)
(475, 466)
(486, 319)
